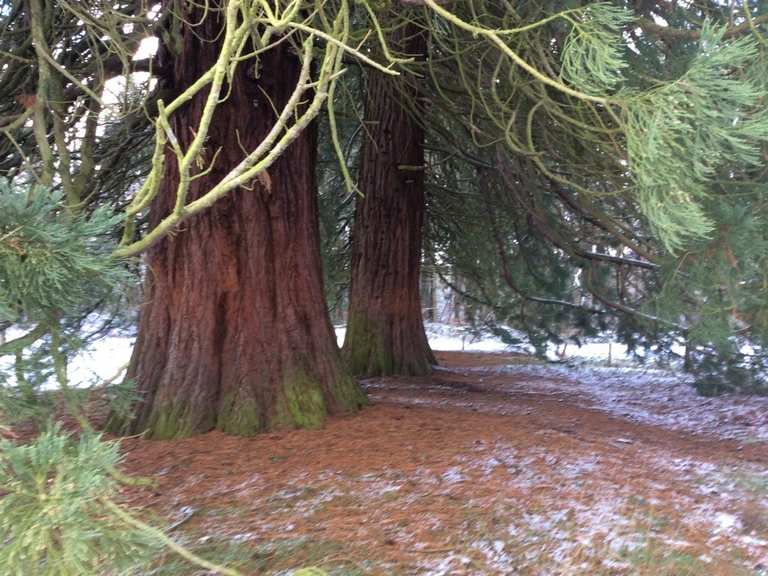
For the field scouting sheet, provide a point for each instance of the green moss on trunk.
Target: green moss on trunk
(239, 417)
(301, 404)
(365, 348)
(348, 394)
(167, 422)
(370, 350)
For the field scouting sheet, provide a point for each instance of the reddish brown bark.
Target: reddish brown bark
(234, 333)
(385, 332)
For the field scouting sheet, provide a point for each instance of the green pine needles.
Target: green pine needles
(52, 260)
(55, 518)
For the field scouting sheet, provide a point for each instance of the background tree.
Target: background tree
(385, 333)
(182, 159)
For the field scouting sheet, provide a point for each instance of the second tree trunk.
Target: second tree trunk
(385, 333)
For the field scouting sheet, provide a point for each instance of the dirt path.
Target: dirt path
(472, 471)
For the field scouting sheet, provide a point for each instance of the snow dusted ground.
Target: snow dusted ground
(607, 523)
(445, 493)
(496, 487)
(449, 338)
(653, 396)
(656, 397)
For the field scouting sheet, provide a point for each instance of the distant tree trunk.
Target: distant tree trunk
(234, 333)
(385, 333)
(428, 296)
(428, 288)
(434, 286)
(456, 308)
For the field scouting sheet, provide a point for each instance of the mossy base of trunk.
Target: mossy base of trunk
(348, 394)
(382, 348)
(167, 422)
(300, 402)
(239, 417)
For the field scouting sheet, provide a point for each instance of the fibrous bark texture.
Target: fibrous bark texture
(234, 333)
(385, 333)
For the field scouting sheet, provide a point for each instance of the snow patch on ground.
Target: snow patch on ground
(446, 337)
(726, 500)
(101, 360)
(572, 538)
(650, 396)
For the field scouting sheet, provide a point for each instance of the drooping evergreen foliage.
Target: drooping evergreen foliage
(577, 204)
(593, 55)
(685, 135)
(607, 145)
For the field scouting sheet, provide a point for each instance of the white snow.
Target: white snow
(726, 522)
(105, 357)
(453, 476)
(100, 361)
(447, 337)
(652, 396)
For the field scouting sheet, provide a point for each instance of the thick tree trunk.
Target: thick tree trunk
(234, 333)
(385, 332)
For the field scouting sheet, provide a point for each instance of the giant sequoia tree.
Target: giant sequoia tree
(234, 333)
(385, 332)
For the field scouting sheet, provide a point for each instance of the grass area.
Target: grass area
(656, 558)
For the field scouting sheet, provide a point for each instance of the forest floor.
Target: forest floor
(489, 466)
